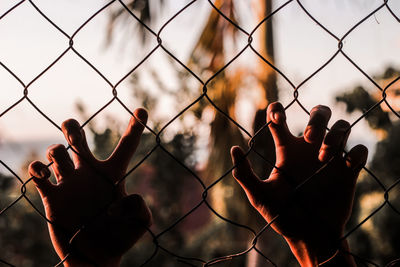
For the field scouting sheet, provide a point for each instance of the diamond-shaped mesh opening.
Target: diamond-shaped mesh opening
(206, 71)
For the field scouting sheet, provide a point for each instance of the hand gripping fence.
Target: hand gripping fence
(202, 96)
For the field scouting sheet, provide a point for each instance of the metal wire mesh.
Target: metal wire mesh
(203, 96)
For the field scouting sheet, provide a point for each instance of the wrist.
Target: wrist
(326, 253)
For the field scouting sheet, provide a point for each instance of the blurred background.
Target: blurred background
(58, 61)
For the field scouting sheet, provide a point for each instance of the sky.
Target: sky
(29, 44)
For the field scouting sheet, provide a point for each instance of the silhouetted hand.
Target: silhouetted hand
(84, 191)
(311, 218)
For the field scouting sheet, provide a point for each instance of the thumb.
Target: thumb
(243, 172)
(129, 141)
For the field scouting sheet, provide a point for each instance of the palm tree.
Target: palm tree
(223, 91)
(209, 56)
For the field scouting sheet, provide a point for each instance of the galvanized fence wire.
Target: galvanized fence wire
(202, 96)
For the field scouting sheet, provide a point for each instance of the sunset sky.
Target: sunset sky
(29, 44)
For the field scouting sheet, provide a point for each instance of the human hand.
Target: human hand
(311, 187)
(89, 192)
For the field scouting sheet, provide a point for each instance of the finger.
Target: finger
(129, 141)
(243, 172)
(315, 130)
(278, 127)
(62, 163)
(335, 140)
(77, 140)
(40, 174)
(357, 158)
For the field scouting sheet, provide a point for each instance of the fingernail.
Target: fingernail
(311, 135)
(278, 117)
(74, 139)
(323, 156)
(75, 134)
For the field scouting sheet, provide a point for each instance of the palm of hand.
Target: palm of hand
(312, 198)
(80, 199)
(86, 195)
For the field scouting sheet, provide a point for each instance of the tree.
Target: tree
(208, 57)
(378, 240)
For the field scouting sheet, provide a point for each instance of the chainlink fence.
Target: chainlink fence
(159, 247)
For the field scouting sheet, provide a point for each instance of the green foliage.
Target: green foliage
(360, 100)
